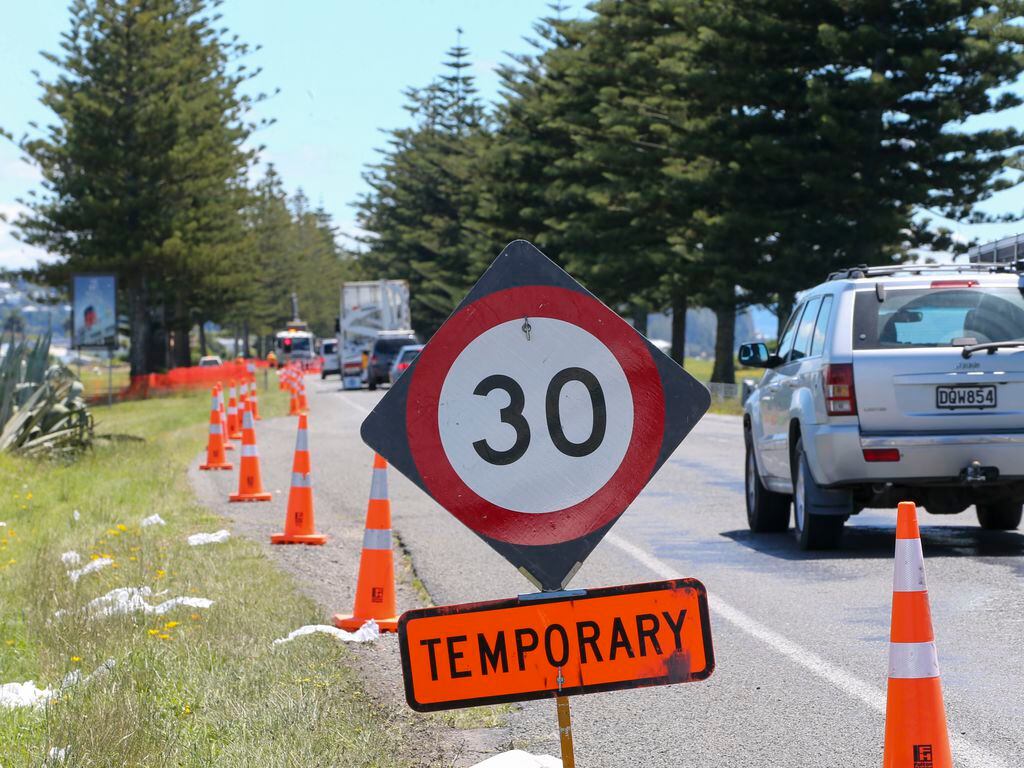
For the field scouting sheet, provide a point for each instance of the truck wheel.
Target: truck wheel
(767, 511)
(1001, 516)
(812, 531)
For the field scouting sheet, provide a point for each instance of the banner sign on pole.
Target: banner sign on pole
(94, 311)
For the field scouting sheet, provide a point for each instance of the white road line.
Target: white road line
(966, 752)
(358, 407)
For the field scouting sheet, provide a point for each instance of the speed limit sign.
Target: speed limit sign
(535, 415)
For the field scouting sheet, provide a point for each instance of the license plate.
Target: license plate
(966, 396)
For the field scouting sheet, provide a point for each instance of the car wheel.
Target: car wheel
(1001, 516)
(767, 511)
(323, 375)
(371, 383)
(812, 531)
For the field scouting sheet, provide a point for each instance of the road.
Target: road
(801, 639)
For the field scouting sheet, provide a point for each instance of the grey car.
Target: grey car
(890, 384)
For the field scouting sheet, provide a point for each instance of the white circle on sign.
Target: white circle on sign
(543, 478)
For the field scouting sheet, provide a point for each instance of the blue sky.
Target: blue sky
(341, 67)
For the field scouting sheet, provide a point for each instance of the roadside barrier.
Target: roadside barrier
(375, 587)
(299, 526)
(915, 719)
(177, 379)
(250, 483)
(234, 415)
(215, 458)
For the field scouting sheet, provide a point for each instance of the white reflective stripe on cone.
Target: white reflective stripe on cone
(213, 403)
(215, 429)
(300, 480)
(249, 450)
(913, 660)
(247, 422)
(908, 575)
(379, 486)
(375, 538)
(302, 441)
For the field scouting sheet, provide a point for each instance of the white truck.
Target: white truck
(367, 308)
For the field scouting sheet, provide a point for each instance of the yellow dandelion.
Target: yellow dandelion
(75, 659)
(29, 495)
(133, 558)
(170, 625)
(12, 561)
(94, 556)
(113, 532)
(114, 565)
(9, 643)
(195, 617)
(122, 527)
(160, 573)
(186, 709)
(135, 549)
(154, 631)
(165, 637)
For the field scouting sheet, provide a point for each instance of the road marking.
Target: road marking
(967, 752)
(358, 407)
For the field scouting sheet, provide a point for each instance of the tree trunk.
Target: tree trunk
(679, 306)
(783, 309)
(202, 339)
(724, 371)
(138, 326)
(245, 340)
(640, 318)
(237, 334)
(182, 357)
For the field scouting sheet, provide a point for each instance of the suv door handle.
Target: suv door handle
(792, 383)
(772, 387)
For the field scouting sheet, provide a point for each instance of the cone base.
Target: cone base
(225, 465)
(350, 623)
(298, 538)
(250, 497)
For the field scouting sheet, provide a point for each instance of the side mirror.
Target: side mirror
(756, 355)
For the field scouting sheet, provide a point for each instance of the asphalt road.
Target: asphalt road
(801, 639)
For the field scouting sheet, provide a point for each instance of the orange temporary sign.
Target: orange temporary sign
(533, 647)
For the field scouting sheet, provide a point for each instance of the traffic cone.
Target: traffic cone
(215, 458)
(375, 588)
(254, 398)
(234, 415)
(303, 402)
(298, 522)
(916, 735)
(223, 417)
(293, 403)
(243, 395)
(250, 484)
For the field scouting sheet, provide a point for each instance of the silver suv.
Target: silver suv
(890, 384)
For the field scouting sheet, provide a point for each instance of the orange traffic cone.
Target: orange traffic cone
(250, 484)
(303, 402)
(234, 415)
(293, 403)
(375, 589)
(254, 398)
(298, 522)
(223, 418)
(243, 395)
(915, 719)
(215, 458)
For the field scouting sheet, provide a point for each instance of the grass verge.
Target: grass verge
(194, 687)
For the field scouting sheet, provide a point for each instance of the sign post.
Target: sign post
(535, 415)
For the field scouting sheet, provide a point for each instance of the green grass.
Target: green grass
(190, 688)
(700, 369)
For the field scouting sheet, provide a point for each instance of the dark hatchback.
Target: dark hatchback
(382, 355)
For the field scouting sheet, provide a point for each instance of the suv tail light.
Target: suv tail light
(402, 366)
(373, 359)
(840, 397)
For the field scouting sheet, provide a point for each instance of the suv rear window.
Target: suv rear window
(934, 317)
(330, 347)
(391, 345)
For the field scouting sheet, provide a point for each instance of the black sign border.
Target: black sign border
(541, 599)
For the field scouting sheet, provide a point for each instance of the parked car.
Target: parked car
(331, 358)
(890, 384)
(403, 360)
(209, 361)
(382, 355)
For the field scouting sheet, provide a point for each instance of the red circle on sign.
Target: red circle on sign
(578, 520)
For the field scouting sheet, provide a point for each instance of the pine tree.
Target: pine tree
(145, 161)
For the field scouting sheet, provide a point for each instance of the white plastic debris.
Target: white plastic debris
(58, 754)
(71, 558)
(517, 758)
(3, 524)
(96, 565)
(152, 520)
(27, 694)
(126, 600)
(198, 539)
(76, 515)
(365, 634)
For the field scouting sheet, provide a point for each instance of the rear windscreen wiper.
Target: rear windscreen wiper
(991, 347)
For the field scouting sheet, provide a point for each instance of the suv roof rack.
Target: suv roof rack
(863, 270)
